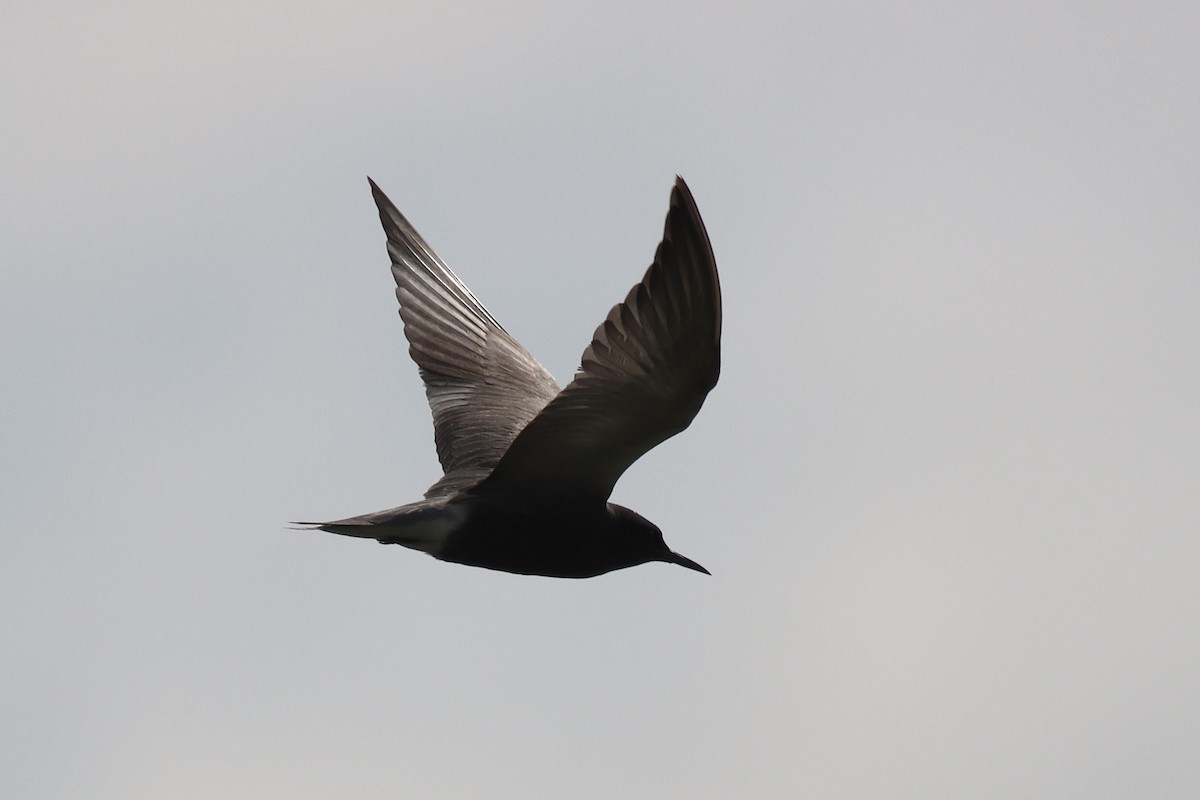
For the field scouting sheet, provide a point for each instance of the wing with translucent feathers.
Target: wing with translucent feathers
(483, 386)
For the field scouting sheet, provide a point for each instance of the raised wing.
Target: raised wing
(642, 379)
(483, 386)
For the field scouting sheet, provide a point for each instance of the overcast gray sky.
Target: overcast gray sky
(947, 486)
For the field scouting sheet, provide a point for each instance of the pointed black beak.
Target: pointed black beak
(684, 561)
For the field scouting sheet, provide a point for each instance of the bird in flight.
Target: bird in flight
(528, 466)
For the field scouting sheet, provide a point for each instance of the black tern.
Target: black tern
(529, 467)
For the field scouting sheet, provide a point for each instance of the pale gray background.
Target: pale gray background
(947, 486)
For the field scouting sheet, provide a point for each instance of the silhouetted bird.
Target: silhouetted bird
(529, 468)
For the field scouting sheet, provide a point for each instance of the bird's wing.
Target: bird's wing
(641, 380)
(483, 386)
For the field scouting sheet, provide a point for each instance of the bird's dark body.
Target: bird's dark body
(568, 543)
(529, 466)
